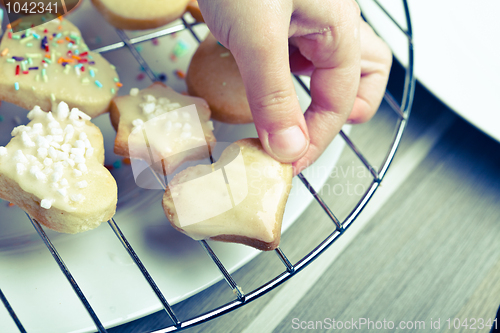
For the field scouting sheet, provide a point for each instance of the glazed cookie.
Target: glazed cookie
(140, 15)
(176, 127)
(239, 199)
(53, 169)
(214, 76)
(51, 63)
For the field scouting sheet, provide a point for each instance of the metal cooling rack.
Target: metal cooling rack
(402, 110)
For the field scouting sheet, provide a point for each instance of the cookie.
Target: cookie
(177, 128)
(248, 209)
(53, 170)
(29, 11)
(214, 76)
(51, 63)
(194, 9)
(140, 15)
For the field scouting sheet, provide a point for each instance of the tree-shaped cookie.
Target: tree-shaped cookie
(50, 63)
(162, 127)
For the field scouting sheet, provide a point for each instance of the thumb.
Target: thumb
(278, 118)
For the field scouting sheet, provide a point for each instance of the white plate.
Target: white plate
(30, 278)
(457, 47)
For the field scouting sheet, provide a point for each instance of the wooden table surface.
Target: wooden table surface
(424, 252)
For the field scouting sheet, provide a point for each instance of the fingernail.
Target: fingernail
(288, 144)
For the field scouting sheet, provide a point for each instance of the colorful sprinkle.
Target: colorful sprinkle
(27, 39)
(44, 42)
(75, 55)
(117, 164)
(127, 161)
(180, 74)
(180, 48)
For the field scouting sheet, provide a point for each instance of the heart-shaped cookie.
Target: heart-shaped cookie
(240, 199)
(140, 15)
(162, 127)
(53, 169)
(51, 63)
(214, 76)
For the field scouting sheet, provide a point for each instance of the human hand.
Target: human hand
(349, 67)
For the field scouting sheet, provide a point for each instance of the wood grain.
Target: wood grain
(431, 252)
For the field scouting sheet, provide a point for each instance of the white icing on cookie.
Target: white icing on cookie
(50, 156)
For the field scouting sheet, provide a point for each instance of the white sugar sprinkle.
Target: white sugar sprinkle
(134, 92)
(53, 146)
(82, 167)
(46, 203)
(76, 197)
(89, 152)
(19, 157)
(82, 184)
(20, 168)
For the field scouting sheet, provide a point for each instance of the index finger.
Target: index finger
(336, 55)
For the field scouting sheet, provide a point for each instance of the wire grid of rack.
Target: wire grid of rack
(402, 110)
